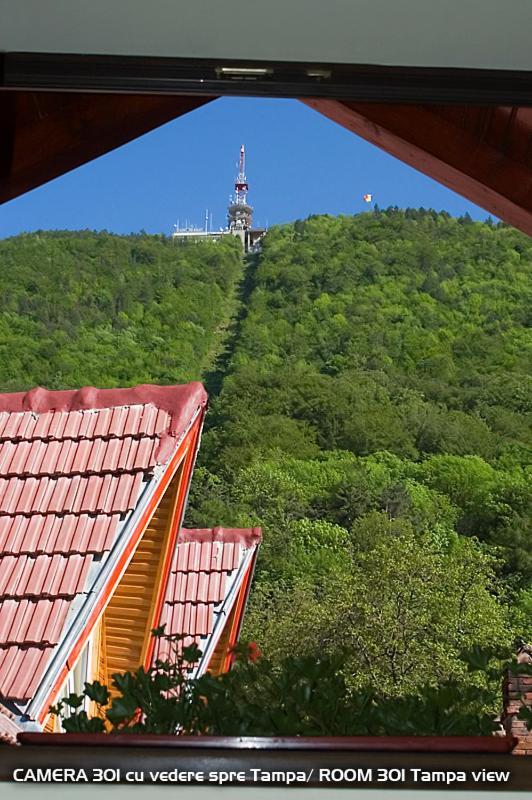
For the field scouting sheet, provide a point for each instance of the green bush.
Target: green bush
(298, 697)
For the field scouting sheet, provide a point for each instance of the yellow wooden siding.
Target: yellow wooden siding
(51, 724)
(128, 616)
(100, 653)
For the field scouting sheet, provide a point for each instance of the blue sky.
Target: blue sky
(298, 163)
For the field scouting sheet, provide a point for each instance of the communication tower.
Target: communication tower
(239, 212)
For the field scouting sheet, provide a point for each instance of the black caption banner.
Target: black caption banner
(215, 767)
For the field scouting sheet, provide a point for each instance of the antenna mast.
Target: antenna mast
(239, 212)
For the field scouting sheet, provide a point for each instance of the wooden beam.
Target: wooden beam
(7, 135)
(482, 153)
(45, 134)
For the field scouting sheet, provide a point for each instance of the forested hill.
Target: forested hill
(407, 332)
(84, 308)
(374, 414)
(375, 419)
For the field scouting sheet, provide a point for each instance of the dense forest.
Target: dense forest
(371, 412)
(80, 308)
(375, 420)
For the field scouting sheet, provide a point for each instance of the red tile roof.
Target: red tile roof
(43, 576)
(21, 669)
(72, 466)
(204, 568)
(52, 533)
(32, 622)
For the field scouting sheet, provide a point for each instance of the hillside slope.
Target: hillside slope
(82, 308)
(371, 410)
(375, 419)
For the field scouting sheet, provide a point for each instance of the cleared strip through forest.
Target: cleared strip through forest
(230, 328)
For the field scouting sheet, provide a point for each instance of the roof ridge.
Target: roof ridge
(179, 401)
(245, 536)
(40, 400)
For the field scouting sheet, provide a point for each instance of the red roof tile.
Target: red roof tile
(43, 576)
(203, 570)
(72, 466)
(21, 670)
(75, 457)
(76, 494)
(51, 534)
(30, 622)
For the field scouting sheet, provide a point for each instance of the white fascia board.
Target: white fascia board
(471, 34)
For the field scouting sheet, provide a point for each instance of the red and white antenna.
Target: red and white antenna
(239, 213)
(241, 184)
